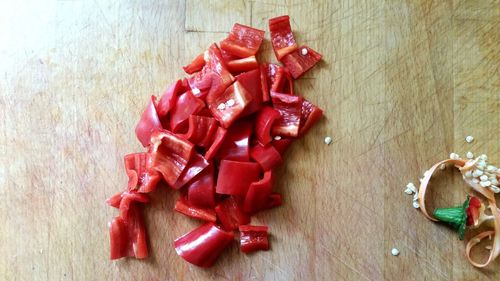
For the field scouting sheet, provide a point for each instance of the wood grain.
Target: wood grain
(402, 83)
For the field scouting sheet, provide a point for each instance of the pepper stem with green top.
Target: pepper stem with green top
(456, 217)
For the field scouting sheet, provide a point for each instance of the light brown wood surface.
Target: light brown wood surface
(402, 83)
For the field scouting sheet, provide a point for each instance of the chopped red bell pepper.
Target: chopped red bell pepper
(195, 165)
(229, 105)
(274, 200)
(219, 137)
(169, 98)
(230, 214)
(203, 245)
(149, 121)
(196, 65)
(282, 36)
(235, 177)
(201, 130)
(128, 199)
(183, 206)
(243, 41)
(264, 122)
(253, 238)
(310, 116)
(263, 82)
(301, 60)
(128, 237)
(267, 156)
(186, 105)
(227, 56)
(257, 197)
(170, 154)
(290, 109)
(201, 190)
(141, 176)
(251, 82)
(237, 141)
(282, 144)
(242, 65)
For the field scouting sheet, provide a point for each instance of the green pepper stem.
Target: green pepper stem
(455, 216)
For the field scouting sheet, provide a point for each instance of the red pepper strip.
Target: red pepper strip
(253, 238)
(201, 190)
(186, 105)
(235, 177)
(298, 63)
(251, 82)
(263, 123)
(141, 176)
(230, 214)
(267, 156)
(114, 201)
(196, 65)
(310, 116)
(243, 41)
(236, 144)
(184, 207)
(201, 130)
(282, 145)
(127, 200)
(263, 82)
(229, 105)
(168, 99)
(170, 154)
(242, 65)
(203, 245)
(195, 165)
(149, 121)
(128, 237)
(219, 137)
(290, 109)
(257, 197)
(282, 36)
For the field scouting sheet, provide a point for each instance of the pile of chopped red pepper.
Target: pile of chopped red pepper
(216, 136)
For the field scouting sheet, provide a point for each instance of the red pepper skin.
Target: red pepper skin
(235, 177)
(196, 164)
(141, 176)
(149, 121)
(196, 65)
(237, 141)
(201, 190)
(170, 154)
(263, 83)
(310, 116)
(257, 197)
(243, 41)
(253, 238)
(242, 65)
(227, 56)
(201, 130)
(290, 109)
(219, 137)
(298, 64)
(282, 145)
(264, 122)
(184, 207)
(267, 156)
(227, 114)
(117, 238)
(230, 214)
(186, 105)
(169, 98)
(282, 36)
(127, 200)
(203, 245)
(251, 82)
(128, 237)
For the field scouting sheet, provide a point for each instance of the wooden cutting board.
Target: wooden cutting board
(401, 85)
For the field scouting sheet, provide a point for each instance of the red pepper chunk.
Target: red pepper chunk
(243, 41)
(263, 124)
(141, 176)
(242, 65)
(253, 238)
(148, 123)
(263, 83)
(201, 190)
(195, 165)
(282, 145)
(128, 237)
(257, 197)
(203, 245)
(219, 137)
(168, 99)
(170, 154)
(235, 177)
(310, 116)
(229, 105)
(267, 156)
(236, 143)
(230, 214)
(282, 36)
(251, 82)
(290, 109)
(201, 130)
(184, 207)
(196, 65)
(187, 104)
(301, 60)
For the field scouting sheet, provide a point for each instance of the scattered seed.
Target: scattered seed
(303, 51)
(230, 102)
(442, 166)
(488, 247)
(483, 178)
(277, 137)
(470, 155)
(416, 205)
(469, 139)
(495, 189)
(454, 156)
(491, 168)
(483, 157)
(394, 252)
(410, 188)
(221, 106)
(195, 91)
(328, 140)
(477, 173)
(485, 183)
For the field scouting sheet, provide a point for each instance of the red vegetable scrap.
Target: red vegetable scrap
(216, 136)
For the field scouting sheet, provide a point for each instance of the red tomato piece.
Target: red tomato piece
(236, 144)
(230, 214)
(251, 82)
(267, 156)
(242, 65)
(149, 121)
(282, 36)
(229, 105)
(196, 65)
(263, 124)
(243, 41)
(253, 238)
(186, 105)
(235, 177)
(195, 165)
(128, 237)
(290, 109)
(184, 207)
(257, 197)
(301, 60)
(201, 190)
(141, 176)
(219, 137)
(310, 116)
(203, 245)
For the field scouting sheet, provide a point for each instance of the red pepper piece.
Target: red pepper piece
(282, 145)
(301, 60)
(229, 105)
(267, 156)
(263, 82)
(196, 65)
(251, 82)
(201, 190)
(195, 165)
(282, 36)
(242, 65)
(219, 137)
(235, 177)
(227, 56)
(141, 176)
(114, 201)
(186, 105)
(236, 144)
(128, 237)
(257, 197)
(149, 121)
(310, 116)
(127, 200)
(253, 238)
(230, 214)
(472, 210)
(290, 109)
(201, 130)
(274, 200)
(203, 245)
(243, 41)
(169, 98)
(170, 154)
(263, 123)
(184, 207)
